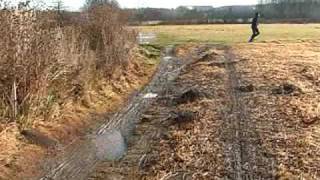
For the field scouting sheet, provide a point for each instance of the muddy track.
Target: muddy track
(236, 151)
(245, 156)
(78, 160)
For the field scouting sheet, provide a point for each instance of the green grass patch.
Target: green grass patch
(230, 34)
(152, 53)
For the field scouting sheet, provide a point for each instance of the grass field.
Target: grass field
(230, 34)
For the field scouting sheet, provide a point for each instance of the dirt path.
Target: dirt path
(220, 142)
(154, 137)
(110, 139)
(216, 115)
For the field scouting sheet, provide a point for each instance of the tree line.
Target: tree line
(290, 9)
(270, 10)
(183, 14)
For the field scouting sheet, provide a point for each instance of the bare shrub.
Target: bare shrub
(27, 54)
(108, 37)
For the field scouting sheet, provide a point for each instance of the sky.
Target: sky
(76, 4)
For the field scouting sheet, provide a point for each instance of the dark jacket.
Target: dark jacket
(255, 22)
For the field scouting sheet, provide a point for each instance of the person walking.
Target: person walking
(254, 27)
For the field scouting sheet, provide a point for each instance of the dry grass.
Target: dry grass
(194, 150)
(288, 124)
(41, 67)
(56, 79)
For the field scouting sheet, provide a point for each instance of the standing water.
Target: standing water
(110, 145)
(146, 38)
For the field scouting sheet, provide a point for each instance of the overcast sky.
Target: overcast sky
(76, 4)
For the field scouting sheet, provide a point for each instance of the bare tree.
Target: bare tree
(59, 8)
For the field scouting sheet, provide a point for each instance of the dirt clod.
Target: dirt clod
(310, 121)
(246, 88)
(189, 95)
(286, 89)
(181, 117)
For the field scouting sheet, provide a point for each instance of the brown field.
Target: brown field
(284, 126)
(289, 125)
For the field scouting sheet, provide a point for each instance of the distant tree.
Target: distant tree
(189, 14)
(92, 3)
(58, 5)
(181, 11)
(288, 9)
(23, 4)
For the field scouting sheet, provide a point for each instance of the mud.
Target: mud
(146, 38)
(110, 146)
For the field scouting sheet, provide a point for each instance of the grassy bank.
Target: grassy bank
(57, 81)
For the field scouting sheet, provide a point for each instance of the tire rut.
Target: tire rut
(245, 157)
